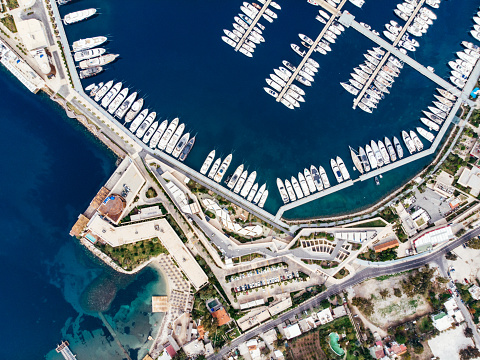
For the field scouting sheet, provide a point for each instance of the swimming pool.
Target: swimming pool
(334, 344)
(91, 238)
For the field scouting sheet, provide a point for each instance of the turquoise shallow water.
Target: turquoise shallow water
(174, 55)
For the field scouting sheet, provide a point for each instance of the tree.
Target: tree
(469, 352)
(397, 292)
(468, 332)
(442, 280)
(400, 337)
(384, 293)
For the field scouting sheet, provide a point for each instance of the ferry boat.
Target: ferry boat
(145, 124)
(115, 104)
(324, 177)
(214, 168)
(158, 134)
(391, 150)
(363, 159)
(138, 120)
(88, 43)
(120, 112)
(317, 180)
(240, 182)
(252, 192)
(108, 98)
(186, 150)
(235, 177)
(103, 90)
(84, 74)
(303, 184)
(168, 134)
(258, 196)
(77, 16)
(134, 110)
(309, 179)
(88, 54)
(174, 139)
(398, 147)
(290, 191)
(426, 134)
(248, 184)
(384, 152)
(336, 170)
(208, 161)
(371, 157)
(408, 142)
(430, 124)
(223, 168)
(149, 133)
(263, 199)
(376, 152)
(356, 161)
(418, 143)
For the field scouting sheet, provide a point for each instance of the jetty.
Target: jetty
(252, 25)
(65, 351)
(309, 52)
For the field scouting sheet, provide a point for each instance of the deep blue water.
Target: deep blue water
(173, 53)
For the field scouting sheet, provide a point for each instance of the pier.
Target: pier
(387, 54)
(65, 351)
(252, 25)
(309, 52)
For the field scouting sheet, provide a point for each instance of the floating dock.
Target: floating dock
(252, 25)
(65, 351)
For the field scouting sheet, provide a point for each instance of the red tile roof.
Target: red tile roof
(222, 316)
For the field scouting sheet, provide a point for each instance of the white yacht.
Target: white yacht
(115, 104)
(248, 184)
(418, 143)
(343, 168)
(146, 124)
(371, 157)
(235, 177)
(158, 134)
(149, 133)
(181, 145)
(125, 106)
(223, 169)
(168, 134)
(290, 191)
(309, 179)
(108, 98)
(208, 161)
(138, 120)
(336, 170)
(174, 139)
(317, 180)
(259, 194)
(297, 188)
(303, 184)
(430, 124)
(253, 191)
(78, 16)
(214, 168)
(240, 182)
(84, 44)
(376, 152)
(408, 142)
(391, 149)
(88, 54)
(103, 90)
(398, 147)
(426, 134)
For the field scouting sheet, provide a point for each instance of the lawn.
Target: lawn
(12, 4)
(374, 223)
(9, 23)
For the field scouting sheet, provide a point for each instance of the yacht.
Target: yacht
(437, 111)
(98, 61)
(297, 188)
(426, 134)
(174, 139)
(88, 54)
(303, 81)
(391, 149)
(336, 170)
(278, 80)
(443, 100)
(186, 150)
(248, 184)
(287, 103)
(324, 14)
(260, 194)
(235, 177)
(229, 41)
(352, 90)
(240, 182)
(371, 157)
(324, 177)
(408, 142)
(158, 134)
(214, 168)
(418, 143)
(274, 85)
(357, 161)
(281, 75)
(398, 147)
(446, 94)
(363, 158)
(145, 124)
(433, 117)
(108, 98)
(306, 39)
(208, 161)
(241, 22)
(317, 180)
(384, 152)
(252, 192)
(134, 110)
(376, 152)
(283, 191)
(103, 90)
(84, 44)
(309, 179)
(290, 191)
(168, 134)
(138, 120)
(303, 184)
(343, 169)
(149, 133)
(120, 113)
(94, 91)
(231, 35)
(270, 91)
(430, 124)
(321, 19)
(115, 104)
(295, 95)
(78, 16)
(364, 107)
(297, 49)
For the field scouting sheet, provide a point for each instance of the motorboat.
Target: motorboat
(384, 152)
(167, 135)
(296, 188)
(303, 184)
(408, 142)
(290, 191)
(398, 147)
(363, 159)
(145, 124)
(317, 180)
(134, 110)
(390, 149)
(208, 161)
(138, 120)
(418, 143)
(240, 182)
(377, 153)
(158, 134)
(214, 169)
(309, 179)
(426, 134)
(336, 170)
(283, 191)
(236, 176)
(430, 124)
(248, 184)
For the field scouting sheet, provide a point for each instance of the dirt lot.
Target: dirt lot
(392, 309)
(307, 347)
(447, 345)
(466, 266)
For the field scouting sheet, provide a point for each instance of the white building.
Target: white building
(471, 179)
(432, 238)
(292, 331)
(475, 292)
(325, 316)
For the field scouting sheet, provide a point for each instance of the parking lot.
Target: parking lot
(434, 204)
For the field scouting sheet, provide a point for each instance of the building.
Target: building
(253, 349)
(443, 184)
(386, 245)
(159, 304)
(442, 321)
(397, 349)
(307, 324)
(432, 238)
(221, 316)
(475, 292)
(355, 236)
(325, 316)
(339, 311)
(420, 219)
(292, 331)
(194, 348)
(279, 306)
(278, 355)
(453, 311)
(471, 178)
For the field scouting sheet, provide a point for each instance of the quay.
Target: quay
(65, 351)
(309, 53)
(387, 54)
(252, 25)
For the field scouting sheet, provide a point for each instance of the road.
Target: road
(363, 275)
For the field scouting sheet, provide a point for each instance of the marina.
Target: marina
(252, 25)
